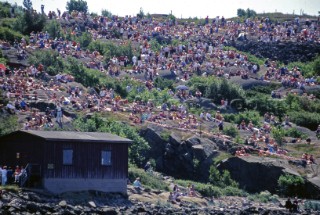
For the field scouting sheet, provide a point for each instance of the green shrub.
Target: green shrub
(305, 119)
(264, 197)
(54, 29)
(50, 59)
(216, 89)
(163, 83)
(293, 132)
(254, 116)
(231, 131)
(221, 180)
(206, 190)
(290, 185)
(8, 124)
(233, 191)
(278, 133)
(10, 35)
(148, 180)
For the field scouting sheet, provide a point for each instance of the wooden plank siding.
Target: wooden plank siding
(86, 160)
(86, 156)
(29, 147)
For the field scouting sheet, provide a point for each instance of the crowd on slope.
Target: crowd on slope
(200, 52)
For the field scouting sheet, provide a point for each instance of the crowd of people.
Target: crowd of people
(9, 175)
(199, 51)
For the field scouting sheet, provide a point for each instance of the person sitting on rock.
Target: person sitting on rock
(137, 185)
(311, 160)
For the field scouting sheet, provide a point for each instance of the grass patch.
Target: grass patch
(148, 180)
(209, 190)
(264, 197)
(221, 157)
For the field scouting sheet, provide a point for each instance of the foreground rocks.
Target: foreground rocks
(151, 202)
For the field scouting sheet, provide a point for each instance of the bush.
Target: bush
(231, 131)
(264, 196)
(217, 89)
(163, 83)
(148, 180)
(290, 185)
(233, 191)
(293, 132)
(8, 124)
(50, 59)
(206, 190)
(54, 29)
(10, 35)
(221, 180)
(254, 116)
(305, 119)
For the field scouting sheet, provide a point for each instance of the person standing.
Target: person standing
(59, 113)
(4, 177)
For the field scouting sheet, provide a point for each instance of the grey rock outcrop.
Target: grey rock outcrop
(256, 174)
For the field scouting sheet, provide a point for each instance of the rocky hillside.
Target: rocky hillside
(280, 51)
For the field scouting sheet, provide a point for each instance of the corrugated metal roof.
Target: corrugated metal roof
(79, 136)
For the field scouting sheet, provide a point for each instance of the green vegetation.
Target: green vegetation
(148, 180)
(264, 197)
(77, 5)
(209, 190)
(221, 179)
(110, 49)
(29, 21)
(106, 13)
(231, 131)
(10, 35)
(247, 116)
(8, 124)
(246, 13)
(216, 89)
(290, 185)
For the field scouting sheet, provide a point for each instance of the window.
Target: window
(67, 157)
(105, 158)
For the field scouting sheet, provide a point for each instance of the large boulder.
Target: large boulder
(256, 174)
(180, 158)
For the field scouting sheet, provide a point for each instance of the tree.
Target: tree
(141, 13)
(78, 5)
(30, 21)
(54, 29)
(106, 13)
(251, 13)
(27, 4)
(241, 12)
(316, 66)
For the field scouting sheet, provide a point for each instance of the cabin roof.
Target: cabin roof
(77, 136)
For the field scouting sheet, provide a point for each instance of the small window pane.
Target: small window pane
(105, 158)
(67, 156)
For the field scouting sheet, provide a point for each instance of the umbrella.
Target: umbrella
(2, 67)
(182, 87)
